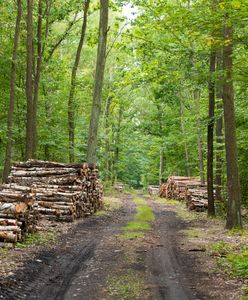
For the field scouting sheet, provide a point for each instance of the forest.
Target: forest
(145, 89)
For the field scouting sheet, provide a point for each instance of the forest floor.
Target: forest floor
(139, 247)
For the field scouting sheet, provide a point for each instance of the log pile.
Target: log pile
(63, 192)
(153, 190)
(187, 189)
(119, 187)
(18, 215)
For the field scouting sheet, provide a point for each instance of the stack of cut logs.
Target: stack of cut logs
(63, 192)
(153, 190)
(56, 191)
(186, 188)
(119, 187)
(17, 213)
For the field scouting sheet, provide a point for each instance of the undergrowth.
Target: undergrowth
(37, 238)
(232, 259)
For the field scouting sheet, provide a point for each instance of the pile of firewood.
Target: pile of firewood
(119, 187)
(63, 192)
(17, 213)
(187, 189)
(153, 190)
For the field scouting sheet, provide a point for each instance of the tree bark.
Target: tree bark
(233, 183)
(184, 138)
(37, 77)
(107, 139)
(8, 154)
(29, 82)
(219, 131)
(99, 76)
(161, 166)
(117, 148)
(211, 105)
(196, 95)
(71, 113)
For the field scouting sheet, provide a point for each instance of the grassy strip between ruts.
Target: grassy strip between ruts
(125, 286)
(141, 222)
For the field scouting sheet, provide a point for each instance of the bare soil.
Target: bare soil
(90, 255)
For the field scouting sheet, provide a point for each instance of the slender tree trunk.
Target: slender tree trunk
(107, 142)
(29, 81)
(196, 96)
(211, 105)
(117, 143)
(71, 112)
(99, 76)
(161, 166)
(8, 154)
(184, 138)
(233, 183)
(48, 111)
(219, 131)
(37, 77)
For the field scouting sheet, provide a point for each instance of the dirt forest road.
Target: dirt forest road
(92, 261)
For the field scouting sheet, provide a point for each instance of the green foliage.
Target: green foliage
(233, 259)
(239, 264)
(155, 62)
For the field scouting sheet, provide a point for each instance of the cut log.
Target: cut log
(13, 208)
(8, 237)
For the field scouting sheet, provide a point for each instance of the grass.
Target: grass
(187, 215)
(37, 238)
(141, 222)
(139, 201)
(239, 264)
(142, 219)
(164, 200)
(110, 204)
(233, 259)
(192, 232)
(144, 214)
(136, 225)
(125, 287)
(243, 233)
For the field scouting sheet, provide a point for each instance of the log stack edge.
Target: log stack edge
(42, 189)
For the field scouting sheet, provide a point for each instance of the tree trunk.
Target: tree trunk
(37, 77)
(8, 154)
(71, 113)
(233, 184)
(219, 131)
(107, 142)
(99, 76)
(184, 138)
(117, 143)
(29, 82)
(196, 95)
(161, 166)
(211, 104)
